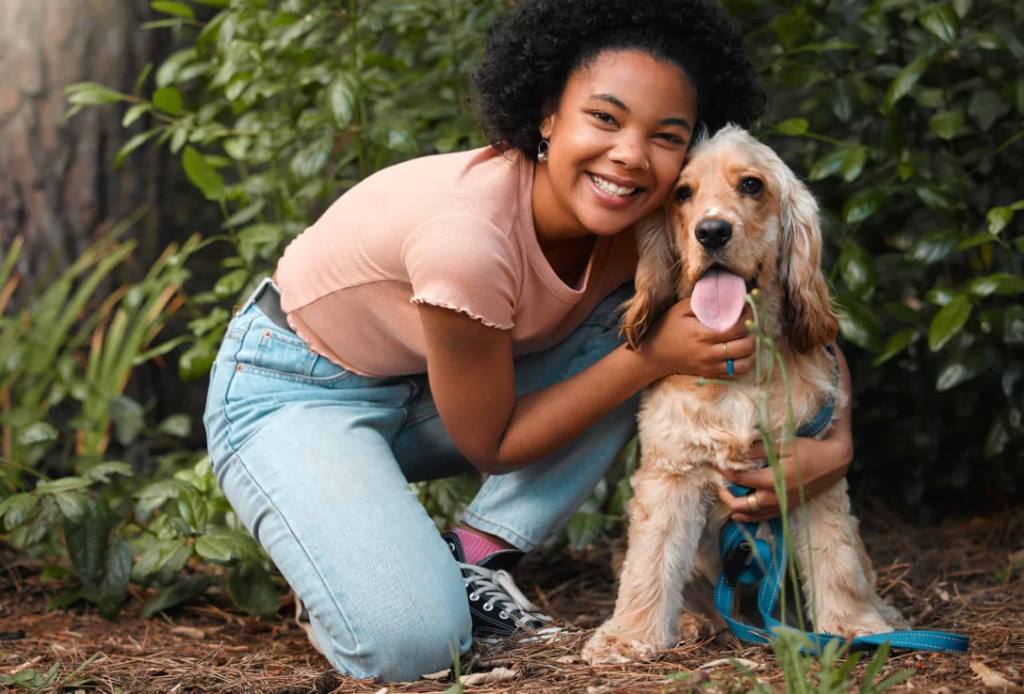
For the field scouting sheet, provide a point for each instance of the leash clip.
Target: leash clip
(736, 562)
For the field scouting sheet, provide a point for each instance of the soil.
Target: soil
(966, 577)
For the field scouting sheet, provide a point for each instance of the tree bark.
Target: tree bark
(57, 183)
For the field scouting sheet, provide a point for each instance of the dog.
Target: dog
(738, 214)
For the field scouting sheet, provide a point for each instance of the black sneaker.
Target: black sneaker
(498, 608)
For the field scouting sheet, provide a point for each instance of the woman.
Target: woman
(460, 311)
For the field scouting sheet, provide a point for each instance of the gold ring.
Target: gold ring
(725, 346)
(752, 502)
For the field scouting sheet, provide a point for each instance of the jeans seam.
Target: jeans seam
(468, 512)
(359, 650)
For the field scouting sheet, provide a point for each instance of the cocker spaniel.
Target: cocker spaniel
(739, 218)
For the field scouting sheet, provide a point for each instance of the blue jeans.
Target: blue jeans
(316, 461)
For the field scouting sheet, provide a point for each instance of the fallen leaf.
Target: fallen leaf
(567, 659)
(498, 674)
(191, 632)
(743, 662)
(944, 595)
(382, 690)
(439, 675)
(991, 678)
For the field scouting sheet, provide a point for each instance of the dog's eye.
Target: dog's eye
(751, 186)
(683, 194)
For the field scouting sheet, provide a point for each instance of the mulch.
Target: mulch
(966, 577)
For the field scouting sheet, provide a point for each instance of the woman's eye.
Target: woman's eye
(603, 117)
(674, 139)
(683, 194)
(751, 186)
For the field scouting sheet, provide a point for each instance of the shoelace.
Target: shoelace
(499, 588)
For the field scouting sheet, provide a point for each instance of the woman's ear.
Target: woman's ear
(655, 280)
(812, 322)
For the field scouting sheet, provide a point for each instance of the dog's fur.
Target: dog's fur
(690, 432)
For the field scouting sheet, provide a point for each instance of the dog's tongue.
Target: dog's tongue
(718, 299)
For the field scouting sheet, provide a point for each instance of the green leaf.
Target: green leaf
(168, 100)
(17, 508)
(225, 545)
(231, 283)
(193, 509)
(102, 472)
(905, 81)
(1001, 283)
(829, 164)
(64, 484)
(39, 432)
(71, 504)
(584, 528)
(947, 124)
(244, 215)
(933, 246)
(92, 94)
(998, 218)
(933, 196)
(133, 144)
(129, 418)
(86, 540)
(135, 112)
(857, 268)
(996, 439)
(140, 80)
(976, 240)
(117, 571)
(178, 9)
(940, 295)
(203, 175)
(179, 425)
(159, 491)
(862, 205)
(261, 233)
(957, 371)
(986, 107)
(64, 599)
(859, 324)
(793, 126)
(183, 591)
(941, 19)
(853, 165)
(948, 322)
(1013, 325)
(342, 99)
(55, 572)
(251, 589)
(896, 344)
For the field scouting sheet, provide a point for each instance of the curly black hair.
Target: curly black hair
(532, 52)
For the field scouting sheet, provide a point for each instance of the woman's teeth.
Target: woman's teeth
(611, 188)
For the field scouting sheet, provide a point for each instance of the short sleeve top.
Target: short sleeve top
(453, 230)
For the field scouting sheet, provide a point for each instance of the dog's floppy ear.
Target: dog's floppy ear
(655, 283)
(812, 322)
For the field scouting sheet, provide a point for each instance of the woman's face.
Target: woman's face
(617, 143)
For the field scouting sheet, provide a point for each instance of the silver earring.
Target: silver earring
(542, 150)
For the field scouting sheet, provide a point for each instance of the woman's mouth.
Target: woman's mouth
(611, 194)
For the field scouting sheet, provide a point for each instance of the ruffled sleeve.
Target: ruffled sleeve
(466, 264)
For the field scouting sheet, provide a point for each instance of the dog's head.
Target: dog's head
(739, 208)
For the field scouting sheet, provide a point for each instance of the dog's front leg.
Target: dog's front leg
(666, 517)
(832, 568)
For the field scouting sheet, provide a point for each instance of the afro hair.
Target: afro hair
(532, 52)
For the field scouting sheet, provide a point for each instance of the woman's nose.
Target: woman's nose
(629, 153)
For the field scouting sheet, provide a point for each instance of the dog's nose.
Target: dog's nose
(713, 233)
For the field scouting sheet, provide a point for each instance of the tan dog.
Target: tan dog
(739, 215)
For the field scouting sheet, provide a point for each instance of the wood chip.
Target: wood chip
(439, 675)
(191, 632)
(498, 674)
(568, 659)
(991, 678)
(743, 662)
(26, 665)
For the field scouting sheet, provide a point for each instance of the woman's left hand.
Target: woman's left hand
(822, 463)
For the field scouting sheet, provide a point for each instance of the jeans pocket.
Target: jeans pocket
(285, 354)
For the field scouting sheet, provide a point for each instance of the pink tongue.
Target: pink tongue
(718, 299)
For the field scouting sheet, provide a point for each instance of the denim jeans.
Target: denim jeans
(316, 461)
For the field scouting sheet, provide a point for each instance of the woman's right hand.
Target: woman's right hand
(680, 344)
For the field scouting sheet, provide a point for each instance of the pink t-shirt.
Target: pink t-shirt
(453, 230)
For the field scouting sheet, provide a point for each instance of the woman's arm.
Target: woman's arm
(472, 379)
(822, 463)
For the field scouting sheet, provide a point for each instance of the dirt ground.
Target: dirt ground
(966, 577)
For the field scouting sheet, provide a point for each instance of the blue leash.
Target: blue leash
(742, 563)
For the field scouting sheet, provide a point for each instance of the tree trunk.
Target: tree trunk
(57, 183)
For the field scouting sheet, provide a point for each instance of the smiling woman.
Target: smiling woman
(461, 311)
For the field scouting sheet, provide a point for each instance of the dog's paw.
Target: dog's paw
(693, 627)
(865, 623)
(606, 647)
(892, 616)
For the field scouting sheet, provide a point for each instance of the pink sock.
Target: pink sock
(475, 547)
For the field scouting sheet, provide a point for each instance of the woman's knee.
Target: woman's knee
(399, 642)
